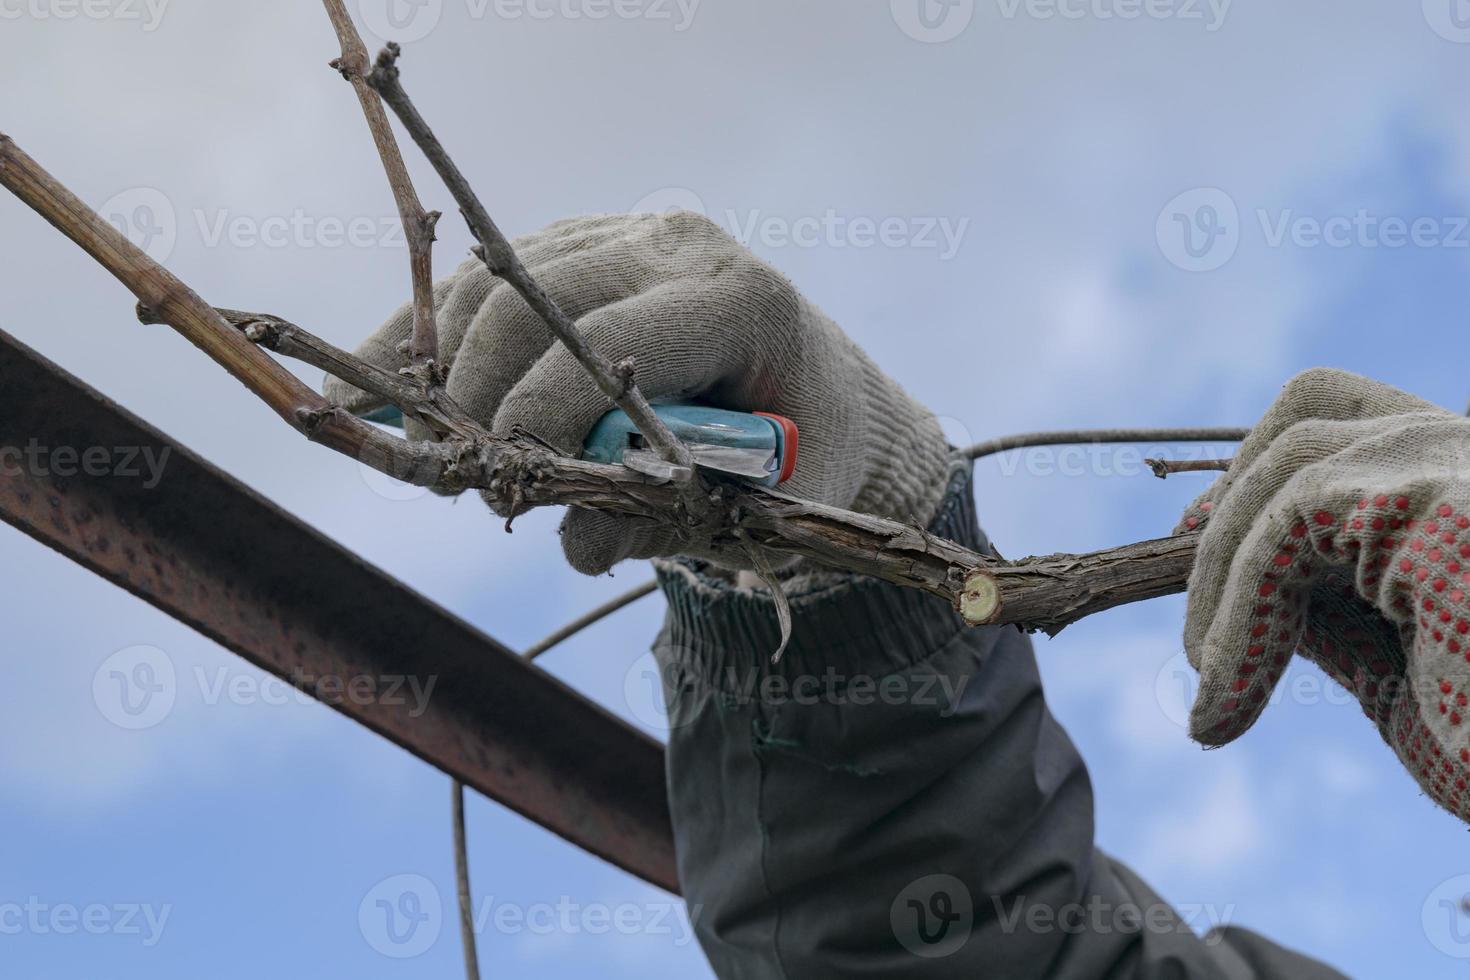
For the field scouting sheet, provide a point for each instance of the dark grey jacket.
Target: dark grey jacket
(894, 799)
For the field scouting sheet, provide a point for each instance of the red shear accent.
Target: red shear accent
(790, 443)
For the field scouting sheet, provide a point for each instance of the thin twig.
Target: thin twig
(1079, 437)
(1163, 468)
(429, 404)
(587, 619)
(615, 380)
(418, 224)
(462, 882)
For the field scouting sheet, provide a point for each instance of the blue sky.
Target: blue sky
(1030, 167)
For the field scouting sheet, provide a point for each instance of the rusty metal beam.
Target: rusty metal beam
(215, 555)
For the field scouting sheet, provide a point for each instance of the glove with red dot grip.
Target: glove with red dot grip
(1342, 532)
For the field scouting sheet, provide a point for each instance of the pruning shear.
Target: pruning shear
(760, 447)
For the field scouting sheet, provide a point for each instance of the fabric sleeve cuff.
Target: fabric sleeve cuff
(721, 632)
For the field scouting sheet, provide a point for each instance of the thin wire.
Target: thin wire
(582, 622)
(462, 879)
(461, 859)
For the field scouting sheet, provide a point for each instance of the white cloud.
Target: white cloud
(1210, 832)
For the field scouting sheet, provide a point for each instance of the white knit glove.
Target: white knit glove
(1342, 532)
(703, 320)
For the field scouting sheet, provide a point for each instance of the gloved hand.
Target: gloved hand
(704, 320)
(1342, 531)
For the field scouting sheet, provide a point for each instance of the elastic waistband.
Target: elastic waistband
(853, 622)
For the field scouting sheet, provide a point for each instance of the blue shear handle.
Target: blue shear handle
(693, 425)
(387, 415)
